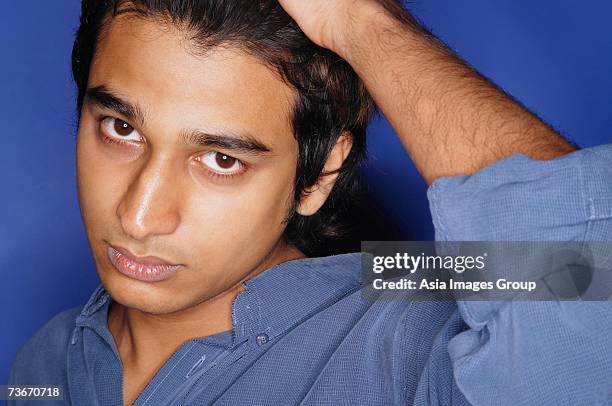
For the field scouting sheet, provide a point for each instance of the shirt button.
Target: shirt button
(262, 339)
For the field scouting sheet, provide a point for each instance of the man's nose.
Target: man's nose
(150, 205)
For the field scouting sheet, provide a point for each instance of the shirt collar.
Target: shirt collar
(274, 300)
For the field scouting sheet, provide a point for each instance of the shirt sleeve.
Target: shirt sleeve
(552, 352)
(41, 361)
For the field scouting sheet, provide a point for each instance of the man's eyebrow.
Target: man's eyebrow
(244, 143)
(104, 97)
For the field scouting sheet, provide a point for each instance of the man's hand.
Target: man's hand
(449, 118)
(311, 16)
(330, 23)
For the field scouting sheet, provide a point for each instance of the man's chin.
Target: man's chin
(146, 297)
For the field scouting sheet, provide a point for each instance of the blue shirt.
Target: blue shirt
(304, 334)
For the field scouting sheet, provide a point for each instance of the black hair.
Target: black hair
(330, 97)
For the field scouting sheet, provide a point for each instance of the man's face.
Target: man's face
(171, 163)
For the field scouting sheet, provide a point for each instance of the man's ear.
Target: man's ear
(313, 197)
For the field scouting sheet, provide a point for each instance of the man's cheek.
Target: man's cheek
(98, 197)
(236, 224)
(95, 192)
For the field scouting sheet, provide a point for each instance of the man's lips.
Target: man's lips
(148, 260)
(147, 269)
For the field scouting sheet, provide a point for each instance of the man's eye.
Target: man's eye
(119, 130)
(221, 163)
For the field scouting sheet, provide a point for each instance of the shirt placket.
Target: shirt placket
(182, 370)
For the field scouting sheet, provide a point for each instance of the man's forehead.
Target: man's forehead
(144, 60)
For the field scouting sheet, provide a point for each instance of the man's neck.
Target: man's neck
(146, 340)
(138, 334)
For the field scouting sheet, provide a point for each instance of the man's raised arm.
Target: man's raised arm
(454, 122)
(451, 120)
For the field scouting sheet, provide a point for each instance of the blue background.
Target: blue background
(554, 56)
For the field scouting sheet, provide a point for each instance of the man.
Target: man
(213, 141)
